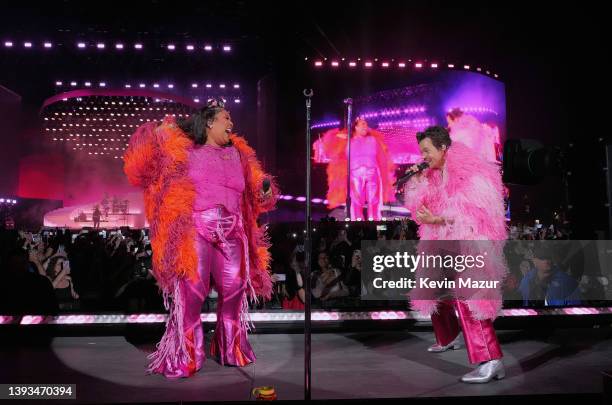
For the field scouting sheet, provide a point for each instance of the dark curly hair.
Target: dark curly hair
(195, 125)
(439, 136)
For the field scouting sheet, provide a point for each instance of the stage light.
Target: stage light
(451, 66)
(189, 47)
(87, 84)
(171, 86)
(227, 48)
(466, 67)
(194, 85)
(137, 46)
(318, 63)
(418, 65)
(27, 44)
(156, 85)
(237, 101)
(385, 64)
(8, 44)
(434, 65)
(73, 84)
(128, 86)
(81, 45)
(102, 84)
(301, 199)
(335, 64)
(236, 86)
(142, 85)
(401, 64)
(58, 83)
(1, 200)
(352, 64)
(368, 64)
(208, 48)
(100, 45)
(171, 47)
(197, 100)
(119, 46)
(48, 45)
(222, 86)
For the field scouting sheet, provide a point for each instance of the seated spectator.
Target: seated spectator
(352, 278)
(23, 292)
(328, 281)
(58, 272)
(546, 283)
(294, 296)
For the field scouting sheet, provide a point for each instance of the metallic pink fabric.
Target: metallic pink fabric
(363, 152)
(366, 188)
(221, 245)
(480, 339)
(214, 170)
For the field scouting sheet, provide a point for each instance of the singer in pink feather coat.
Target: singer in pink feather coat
(460, 198)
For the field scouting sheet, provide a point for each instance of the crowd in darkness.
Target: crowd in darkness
(93, 270)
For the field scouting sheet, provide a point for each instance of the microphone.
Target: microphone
(402, 180)
(266, 185)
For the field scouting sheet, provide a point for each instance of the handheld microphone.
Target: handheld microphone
(266, 185)
(402, 180)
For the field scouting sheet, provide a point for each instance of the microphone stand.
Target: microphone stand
(349, 130)
(307, 259)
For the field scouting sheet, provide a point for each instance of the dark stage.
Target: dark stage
(357, 365)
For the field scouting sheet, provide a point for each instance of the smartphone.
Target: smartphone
(381, 227)
(281, 277)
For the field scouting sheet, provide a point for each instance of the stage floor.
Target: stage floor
(110, 369)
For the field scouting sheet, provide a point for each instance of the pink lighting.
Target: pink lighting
(208, 48)
(118, 46)
(227, 48)
(352, 64)
(171, 47)
(101, 46)
(27, 44)
(335, 64)
(418, 65)
(190, 47)
(137, 46)
(81, 45)
(8, 44)
(48, 45)
(318, 63)
(368, 64)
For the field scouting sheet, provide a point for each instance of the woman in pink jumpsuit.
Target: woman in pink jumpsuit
(214, 190)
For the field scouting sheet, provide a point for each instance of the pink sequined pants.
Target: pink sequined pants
(480, 339)
(366, 189)
(221, 246)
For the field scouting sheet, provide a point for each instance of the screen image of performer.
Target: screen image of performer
(372, 170)
(482, 138)
(460, 197)
(203, 191)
